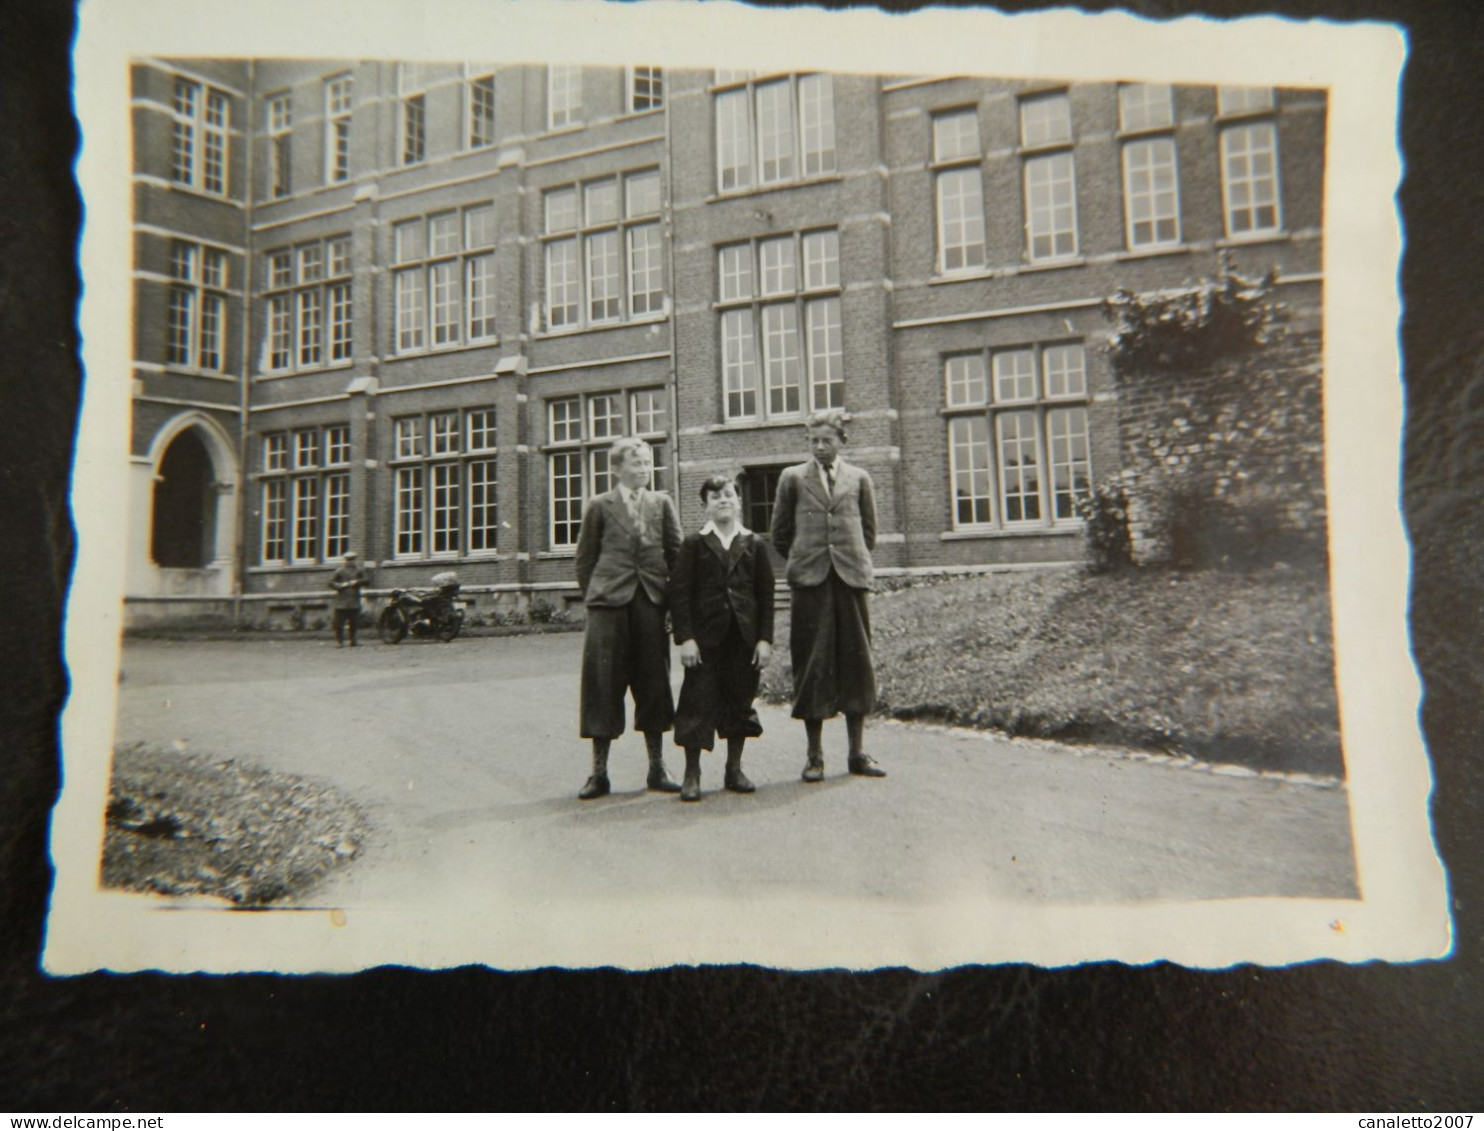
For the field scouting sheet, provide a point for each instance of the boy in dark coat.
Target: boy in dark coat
(721, 610)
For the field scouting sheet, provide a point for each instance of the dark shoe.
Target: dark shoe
(864, 766)
(659, 782)
(691, 790)
(597, 786)
(737, 782)
(814, 769)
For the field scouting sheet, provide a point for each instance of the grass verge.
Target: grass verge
(183, 824)
(1222, 666)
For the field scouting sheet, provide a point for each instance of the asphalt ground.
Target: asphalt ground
(466, 759)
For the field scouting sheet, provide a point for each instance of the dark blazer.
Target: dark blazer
(614, 558)
(712, 585)
(815, 530)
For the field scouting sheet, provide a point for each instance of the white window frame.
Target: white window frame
(279, 110)
(1145, 201)
(653, 78)
(206, 141)
(1055, 216)
(309, 306)
(339, 94)
(432, 286)
(563, 96)
(575, 441)
(743, 146)
(412, 115)
(1145, 106)
(989, 393)
(306, 496)
(447, 461)
(1248, 198)
(1232, 101)
(958, 192)
(776, 365)
(196, 307)
(476, 82)
(572, 238)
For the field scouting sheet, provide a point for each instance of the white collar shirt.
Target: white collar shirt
(726, 540)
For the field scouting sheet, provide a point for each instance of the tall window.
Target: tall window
(1249, 179)
(481, 90)
(781, 341)
(306, 495)
(443, 284)
(1151, 193)
(603, 251)
(773, 130)
(309, 304)
(646, 89)
(338, 91)
(1232, 100)
(1018, 445)
(563, 96)
(1050, 178)
(445, 486)
(196, 318)
(280, 145)
(198, 145)
(579, 432)
(959, 190)
(412, 124)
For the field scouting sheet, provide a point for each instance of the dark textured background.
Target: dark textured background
(1324, 1036)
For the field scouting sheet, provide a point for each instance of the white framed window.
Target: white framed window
(1232, 100)
(1249, 179)
(603, 251)
(308, 303)
(338, 94)
(196, 306)
(1045, 119)
(563, 96)
(782, 346)
(958, 189)
(645, 89)
(1019, 451)
(443, 280)
(775, 130)
(481, 110)
(412, 117)
(1050, 206)
(445, 484)
(1151, 192)
(201, 123)
(305, 492)
(579, 432)
(280, 145)
(1145, 106)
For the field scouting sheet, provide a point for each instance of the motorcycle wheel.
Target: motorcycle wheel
(449, 627)
(392, 626)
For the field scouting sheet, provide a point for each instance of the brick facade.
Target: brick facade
(831, 200)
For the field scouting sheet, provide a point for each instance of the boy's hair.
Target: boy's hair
(621, 449)
(836, 418)
(714, 484)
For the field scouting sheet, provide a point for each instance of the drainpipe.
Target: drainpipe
(667, 214)
(244, 431)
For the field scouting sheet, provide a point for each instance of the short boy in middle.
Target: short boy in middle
(721, 611)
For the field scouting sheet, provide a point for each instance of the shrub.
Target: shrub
(1105, 515)
(547, 612)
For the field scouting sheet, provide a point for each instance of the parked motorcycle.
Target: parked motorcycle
(423, 612)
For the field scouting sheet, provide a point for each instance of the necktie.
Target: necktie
(829, 475)
(632, 498)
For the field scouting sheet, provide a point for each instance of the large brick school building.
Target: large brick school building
(405, 308)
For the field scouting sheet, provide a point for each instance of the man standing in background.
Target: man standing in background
(346, 607)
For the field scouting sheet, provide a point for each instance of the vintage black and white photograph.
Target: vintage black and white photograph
(562, 499)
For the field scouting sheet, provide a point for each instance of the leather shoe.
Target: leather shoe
(814, 770)
(597, 786)
(659, 782)
(739, 783)
(863, 765)
(691, 790)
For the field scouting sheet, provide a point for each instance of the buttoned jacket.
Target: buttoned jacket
(714, 584)
(816, 529)
(615, 556)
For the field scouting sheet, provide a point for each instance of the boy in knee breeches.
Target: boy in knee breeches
(721, 610)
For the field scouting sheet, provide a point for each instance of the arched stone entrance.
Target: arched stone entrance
(185, 511)
(183, 531)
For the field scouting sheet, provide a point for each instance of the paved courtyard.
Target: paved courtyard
(466, 760)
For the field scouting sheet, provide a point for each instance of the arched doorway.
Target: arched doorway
(183, 529)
